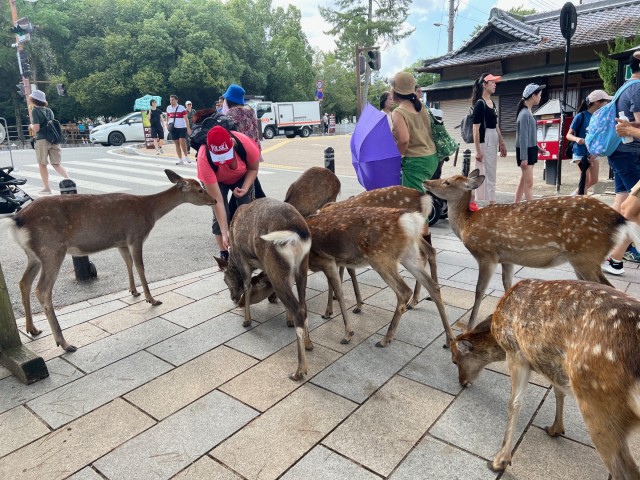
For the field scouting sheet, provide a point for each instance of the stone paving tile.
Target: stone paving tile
(318, 304)
(421, 325)
(191, 343)
(434, 459)
(122, 344)
(470, 277)
(121, 295)
(633, 289)
(19, 427)
(459, 259)
(172, 391)
(168, 447)
(206, 469)
(445, 271)
(459, 286)
(268, 382)
(140, 312)
(168, 286)
(293, 427)
(540, 457)
(487, 307)
(15, 393)
(434, 368)
(78, 336)
(363, 370)
(364, 324)
(85, 474)
(387, 426)
(96, 389)
(546, 273)
(484, 407)
(265, 310)
(269, 337)
(204, 287)
(574, 426)
(65, 451)
(457, 297)
(78, 316)
(38, 317)
(4, 373)
(387, 300)
(536, 378)
(318, 281)
(449, 244)
(323, 464)
(200, 311)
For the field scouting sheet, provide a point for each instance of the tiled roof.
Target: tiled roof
(598, 22)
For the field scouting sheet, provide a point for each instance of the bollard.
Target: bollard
(84, 269)
(329, 161)
(466, 162)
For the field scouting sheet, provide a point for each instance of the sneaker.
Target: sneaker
(188, 160)
(613, 267)
(44, 192)
(632, 255)
(181, 162)
(161, 152)
(158, 152)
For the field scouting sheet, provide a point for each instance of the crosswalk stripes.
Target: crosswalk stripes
(55, 179)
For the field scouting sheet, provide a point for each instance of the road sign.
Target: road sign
(319, 95)
(568, 20)
(319, 84)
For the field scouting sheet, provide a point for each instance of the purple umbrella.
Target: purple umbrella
(374, 154)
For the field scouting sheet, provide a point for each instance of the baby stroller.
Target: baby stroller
(12, 197)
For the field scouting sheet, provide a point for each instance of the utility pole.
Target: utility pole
(21, 53)
(452, 11)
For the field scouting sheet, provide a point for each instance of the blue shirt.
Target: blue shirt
(629, 102)
(579, 126)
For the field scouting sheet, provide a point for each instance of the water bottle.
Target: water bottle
(622, 116)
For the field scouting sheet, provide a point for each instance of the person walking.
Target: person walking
(222, 170)
(386, 106)
(325, 122)
(578, 132)
(179, 127)
(526, 141)
(190, 113)
(157, 132)
(487, 137)
(46, 152)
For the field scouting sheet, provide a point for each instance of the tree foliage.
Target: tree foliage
(608, 68)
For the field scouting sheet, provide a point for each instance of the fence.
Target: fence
(18, 136)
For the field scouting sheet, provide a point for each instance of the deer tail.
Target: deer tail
(426, 205)
(627, 230)
(10, 225)
(412, 224)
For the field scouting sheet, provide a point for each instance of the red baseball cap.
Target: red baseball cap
(219, 144)
(492, 78)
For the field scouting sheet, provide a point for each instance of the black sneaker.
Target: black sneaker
(613, 267)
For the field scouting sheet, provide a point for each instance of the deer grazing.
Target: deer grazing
(539, 233)
(584, 338)
(271, 236)
(51, 227)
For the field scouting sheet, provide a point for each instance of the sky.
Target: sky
(427, 40)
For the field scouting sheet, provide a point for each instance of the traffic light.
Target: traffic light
(20, 88)
(22, 27)
(61, 90)
(361, 64)
(374, 59)
(24, 63)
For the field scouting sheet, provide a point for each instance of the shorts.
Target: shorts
(626, 170)
(532, 156)
(157, 132)
(48, 152)
(178, 133)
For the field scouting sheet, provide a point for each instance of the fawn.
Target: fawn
(272, 236)
(51, 227)
(584, 338)
(539, 233)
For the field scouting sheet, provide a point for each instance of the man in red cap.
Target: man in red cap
(227, 164)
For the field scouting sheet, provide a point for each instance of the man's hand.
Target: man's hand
(479, 155)
(225, 240)
(624, 128)
(240, 192)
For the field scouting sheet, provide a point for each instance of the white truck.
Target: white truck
(287, 118)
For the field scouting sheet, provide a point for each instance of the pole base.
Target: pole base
(24, 364)
(84, 269)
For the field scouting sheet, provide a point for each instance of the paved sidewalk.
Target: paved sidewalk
(183, 391)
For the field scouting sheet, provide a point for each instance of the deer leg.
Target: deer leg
(557, 428)
(301, 285)
(485, 270)
(507, 275)
(520, 372)
(428, 255)
(403, 294)
(356, 289)
(246, 282)
(48, 277)
(33, 267)
(126, 256)
(587, 270)
(136, 253)
(330, 269)
(411, 263)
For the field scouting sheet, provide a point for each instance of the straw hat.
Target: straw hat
(404, 83)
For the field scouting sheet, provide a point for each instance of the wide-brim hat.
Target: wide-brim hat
(404, 83)
(38, 95)
(532, 88)
(235, 93)
(219, 144)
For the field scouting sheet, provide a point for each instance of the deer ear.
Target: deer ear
(474, 173)
(475, 182)
(465, 347)
(222, 264)
(173, 176)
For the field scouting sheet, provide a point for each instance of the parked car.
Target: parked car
(125, 129)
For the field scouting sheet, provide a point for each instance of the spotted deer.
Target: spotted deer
(539, 233)
(51, 227)
(584, 338)
(271, 236)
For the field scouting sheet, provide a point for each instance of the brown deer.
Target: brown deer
(51, 227)
(271, 236)
(379, 237)
(539, 233)
(584, 338)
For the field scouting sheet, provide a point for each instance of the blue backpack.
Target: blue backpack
(601, 138)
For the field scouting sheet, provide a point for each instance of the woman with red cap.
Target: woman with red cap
(227, 163)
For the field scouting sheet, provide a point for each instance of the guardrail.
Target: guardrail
(20, 137)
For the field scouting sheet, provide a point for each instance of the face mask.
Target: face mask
(225, 107)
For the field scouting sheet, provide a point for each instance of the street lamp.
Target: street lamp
(452, 10)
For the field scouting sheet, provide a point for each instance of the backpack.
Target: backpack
(601, 139)
(466, 126)
(52, 129)
(199, 131)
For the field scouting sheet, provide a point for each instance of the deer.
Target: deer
(540, 233)
(272, 236)
(378, 237)
(51, 227)
(584, 338)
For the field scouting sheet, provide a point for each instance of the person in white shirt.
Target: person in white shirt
(178, 126)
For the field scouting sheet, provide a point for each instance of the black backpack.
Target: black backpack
(199, 131)
(52, 129)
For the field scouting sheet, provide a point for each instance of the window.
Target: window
(263, 108)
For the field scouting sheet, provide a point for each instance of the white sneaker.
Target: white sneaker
(181, 162)
(187, 159)
(612, 267)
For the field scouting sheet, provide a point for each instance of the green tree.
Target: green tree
(359, 22)
(339, 88)
(608, 68)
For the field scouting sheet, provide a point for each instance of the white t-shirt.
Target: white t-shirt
(177, 114)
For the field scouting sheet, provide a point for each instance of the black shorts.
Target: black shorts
(532, 156)
(157, 132)
(178, 133)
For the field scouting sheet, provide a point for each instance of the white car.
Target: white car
(125, 129)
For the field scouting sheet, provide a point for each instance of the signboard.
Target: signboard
(144, 103)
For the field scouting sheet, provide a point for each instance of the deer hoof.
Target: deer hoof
(246, 323)
(499, 465)
(273, 298)
(297, 376)
(357, 310)
(347, 338)
(381, 344)
(68, 348)
(327, 314)
(33, 331)
(134, 293)
(290, 323)
(552, 432)
(154, 302)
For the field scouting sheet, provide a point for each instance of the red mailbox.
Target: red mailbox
(549, 137)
